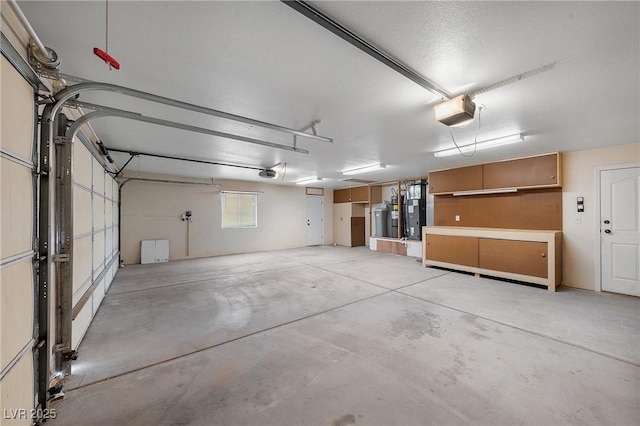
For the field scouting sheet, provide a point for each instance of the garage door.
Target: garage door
(17, 287)
(95, 228)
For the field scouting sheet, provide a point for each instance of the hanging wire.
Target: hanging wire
(284, 171)
(106, 30)
(475, 140)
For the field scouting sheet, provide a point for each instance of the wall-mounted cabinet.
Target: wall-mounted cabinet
(453, 180)
(523, 255)
(359, 194)
(542, 171)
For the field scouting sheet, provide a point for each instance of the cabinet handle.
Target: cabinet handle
(553, 177)
(428, 243)
(543, 254)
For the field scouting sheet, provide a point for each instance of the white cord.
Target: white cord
(475, 140)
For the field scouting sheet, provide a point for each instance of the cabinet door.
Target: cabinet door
(341, 196)
(523, 172)
(458, 250)
(454, 180)
(357, 232)
(360, 194)
(518, 257)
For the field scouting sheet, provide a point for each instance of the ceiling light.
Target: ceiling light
(364, 169)
(481, 145)
(310, 180)
(456, 112)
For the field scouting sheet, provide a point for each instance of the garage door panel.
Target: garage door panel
(16, 208)
(98, 252)
(108, 187)
(116, 241)
(81, 211)
(98, 295)
(108, 208)
(16, 309)
(80, 324)
(82, 164)
(17, 113)
(109, 244)
(98, 212)
(81, 262)
(115, 191)
(98, 178)
(16, 390)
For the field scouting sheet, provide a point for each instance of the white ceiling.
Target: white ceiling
(266, 61)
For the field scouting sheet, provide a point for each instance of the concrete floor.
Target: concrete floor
(339, 336)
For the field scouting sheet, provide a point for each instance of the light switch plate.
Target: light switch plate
(457, 218)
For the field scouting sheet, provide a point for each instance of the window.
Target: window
(239, 209)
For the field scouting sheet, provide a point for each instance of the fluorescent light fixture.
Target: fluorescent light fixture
(456, 112)
(310, 180)
(364, 169)
(486, 191)
(481, 145)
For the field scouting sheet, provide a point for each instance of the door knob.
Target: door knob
(607, 231)
(543, 254)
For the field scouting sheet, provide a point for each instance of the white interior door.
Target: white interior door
(314, 220)
(620, 230)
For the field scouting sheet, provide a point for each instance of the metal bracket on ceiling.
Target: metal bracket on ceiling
(133, 155)
(313, 128)
(42, 65)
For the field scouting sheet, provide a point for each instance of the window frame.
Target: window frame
(223, 204)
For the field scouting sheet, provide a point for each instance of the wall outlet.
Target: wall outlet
(457, 218)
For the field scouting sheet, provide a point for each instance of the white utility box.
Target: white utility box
(154, 251)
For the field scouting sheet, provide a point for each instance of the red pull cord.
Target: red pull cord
(102, 54)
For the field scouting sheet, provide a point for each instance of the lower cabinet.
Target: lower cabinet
(518, 257)
(450, 249)
(523, 255)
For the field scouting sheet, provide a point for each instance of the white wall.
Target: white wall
(152, 211)
(579, 181)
